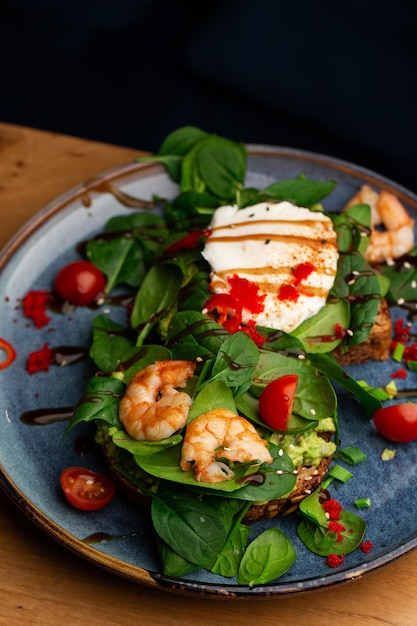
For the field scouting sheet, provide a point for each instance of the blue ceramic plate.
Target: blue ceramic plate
(118, 537)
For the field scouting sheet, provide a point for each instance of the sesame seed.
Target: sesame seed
(414, 284)
(279, 472)
(312, 411)
(407, 265)
(349, 332)
(400, 301)
(281, 452)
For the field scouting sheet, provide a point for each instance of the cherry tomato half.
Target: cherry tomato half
(85, 489)
(79, 283)
(397, 422)
(276, 401)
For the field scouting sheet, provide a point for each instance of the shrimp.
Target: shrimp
(152, 408)
(398, 236)
(221, 434)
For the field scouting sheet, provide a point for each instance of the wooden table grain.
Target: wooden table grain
(41, 582)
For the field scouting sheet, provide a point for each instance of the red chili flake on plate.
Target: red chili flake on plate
(302, 271)
(247, 293)
(400, 373)
(34, 307)
(334, 560)
(288, 292)
(366, 546)
(40, 360)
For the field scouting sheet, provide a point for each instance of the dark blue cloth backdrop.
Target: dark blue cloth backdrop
(333, 77)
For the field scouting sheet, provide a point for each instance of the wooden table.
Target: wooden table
(41, 582)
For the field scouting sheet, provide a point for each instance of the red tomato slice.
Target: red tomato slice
(79, 283)
(85, 489)
(276, 401)
(397, 422)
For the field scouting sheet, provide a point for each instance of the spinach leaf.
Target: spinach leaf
(127, 248)
(215, 395)
(235, 362)
(322, 541)
(300, 191)
(195, 332)
(99, 402)
(196, 529)
(315, 397)
(328, 366)
(215, 165)
(228, 560)
(267, 557)
(143, 448)
(318, 333)
(172, 563)
(155, 297)
(110, 343)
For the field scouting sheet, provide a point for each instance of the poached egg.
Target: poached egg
(279, 260)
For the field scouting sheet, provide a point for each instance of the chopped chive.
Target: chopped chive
(398, 352)
(340, 473)
(351, 455)
(363, 503)
(412, 365)
(377, 392)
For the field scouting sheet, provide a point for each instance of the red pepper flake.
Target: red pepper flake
(333, 508)
(302, 271)
(189, 242)
(40, 360)
(334, 560)
(288, 292)
(10, 354)
(249, 329)
(34, 307)
(400, 373)
(366, 546)
(340, 332)
(247, 293)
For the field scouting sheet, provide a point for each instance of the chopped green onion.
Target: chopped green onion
(340, 473)
(398, 353)
(363, 503)
(377, 392)
(351, 455)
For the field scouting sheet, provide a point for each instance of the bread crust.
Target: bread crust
(376, 347)
(308, 479)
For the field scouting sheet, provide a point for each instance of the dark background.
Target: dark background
(333, 77)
